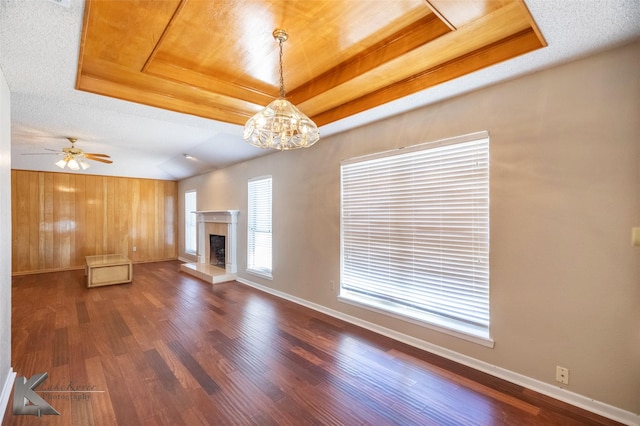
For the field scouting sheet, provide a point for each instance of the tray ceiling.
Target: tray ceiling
(218, 60)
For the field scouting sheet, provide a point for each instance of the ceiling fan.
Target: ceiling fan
(75, 158)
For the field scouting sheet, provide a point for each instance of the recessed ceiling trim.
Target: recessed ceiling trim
(166, 30)
(518, 44)
(417, 34)
(105, 78)
(374, 69)
(503, 23)
(160, 68)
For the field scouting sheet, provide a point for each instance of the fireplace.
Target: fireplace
(217, 250)
(217, 246)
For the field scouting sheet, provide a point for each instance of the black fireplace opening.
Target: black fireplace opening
(217, 250)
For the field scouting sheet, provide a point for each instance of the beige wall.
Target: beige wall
(565, 193)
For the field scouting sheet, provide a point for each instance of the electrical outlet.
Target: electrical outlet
(332, 284)
(562, 375)
(134, 248)
(635, 236)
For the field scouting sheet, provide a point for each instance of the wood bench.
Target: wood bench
(107, 269)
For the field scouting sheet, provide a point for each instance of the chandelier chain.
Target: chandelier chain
(282, 92)
(280, 125)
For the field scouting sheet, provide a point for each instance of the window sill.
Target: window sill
(433, 322)
(262, 274)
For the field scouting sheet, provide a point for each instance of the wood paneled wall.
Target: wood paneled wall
(59, 218)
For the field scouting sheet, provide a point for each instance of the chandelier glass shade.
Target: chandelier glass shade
(280, 125)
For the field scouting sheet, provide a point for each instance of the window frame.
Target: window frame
(190, 222)
(263, 268)
(364, 272)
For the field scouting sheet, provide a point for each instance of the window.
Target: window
(190, 233)
(259, 227)
(415, 234)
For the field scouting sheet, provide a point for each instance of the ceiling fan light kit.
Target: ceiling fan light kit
(280, 125)
(74, 163)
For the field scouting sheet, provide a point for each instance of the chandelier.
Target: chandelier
(280, 125)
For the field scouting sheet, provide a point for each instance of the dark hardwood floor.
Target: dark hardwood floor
(170, 349)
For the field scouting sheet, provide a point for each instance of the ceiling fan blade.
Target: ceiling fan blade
(54, 150)
(102, 160)
(41, 153)
(97, 155)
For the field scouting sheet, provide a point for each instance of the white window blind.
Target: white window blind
(190, 233)
(415, 233)
(259, 226)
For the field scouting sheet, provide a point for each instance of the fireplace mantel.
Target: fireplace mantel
(217, 216)
(202, 269)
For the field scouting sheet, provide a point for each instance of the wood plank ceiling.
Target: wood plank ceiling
(218, 59)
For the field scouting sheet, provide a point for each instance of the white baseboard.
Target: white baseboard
(6, 392)
(606, 410)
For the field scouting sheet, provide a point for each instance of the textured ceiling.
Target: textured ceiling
(39, 50)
